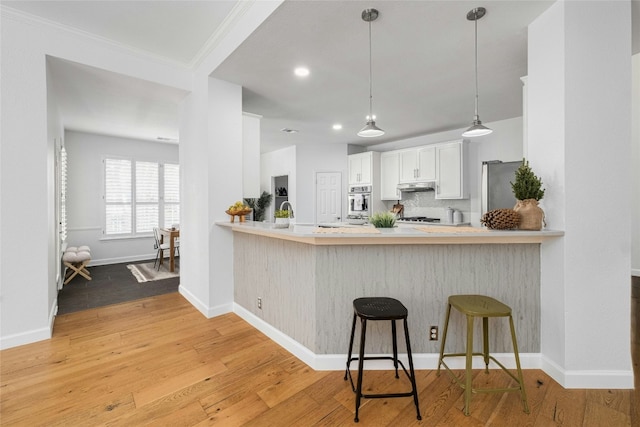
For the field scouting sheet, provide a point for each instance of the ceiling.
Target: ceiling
(422, 62)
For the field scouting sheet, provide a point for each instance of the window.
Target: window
(140, 195)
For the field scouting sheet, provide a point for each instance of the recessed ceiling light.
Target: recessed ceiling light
(301, 71)
(337, 126)
(288, 130)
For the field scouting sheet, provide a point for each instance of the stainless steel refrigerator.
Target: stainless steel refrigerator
(497, 177)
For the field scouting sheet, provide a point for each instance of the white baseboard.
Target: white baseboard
(601, 379)
(27, 337)
(203, 308)
(337, 362)
(199, 305)
(635, 272)
(109, 261)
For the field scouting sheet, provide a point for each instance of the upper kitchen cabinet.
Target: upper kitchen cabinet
(361, 166)
(389, 175)
(417, 165)
(451, 171)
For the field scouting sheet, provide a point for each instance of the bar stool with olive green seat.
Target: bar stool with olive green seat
(480, 306)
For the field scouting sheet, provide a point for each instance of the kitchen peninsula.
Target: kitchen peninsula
(305, 279)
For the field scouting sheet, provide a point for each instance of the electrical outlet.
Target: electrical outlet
(433, 333)
(260, 303)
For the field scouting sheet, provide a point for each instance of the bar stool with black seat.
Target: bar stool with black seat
(380, 308)
(473, 306)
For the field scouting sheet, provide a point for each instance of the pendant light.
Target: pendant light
(477, 128)
(370, 130)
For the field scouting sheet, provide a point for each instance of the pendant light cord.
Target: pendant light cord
(476, 60)
(370, 78)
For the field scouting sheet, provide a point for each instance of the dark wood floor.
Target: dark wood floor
(110, 284)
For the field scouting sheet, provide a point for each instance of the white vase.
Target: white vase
(282, 223)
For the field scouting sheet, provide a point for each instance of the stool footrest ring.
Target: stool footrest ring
(353, 387)
(504, 368)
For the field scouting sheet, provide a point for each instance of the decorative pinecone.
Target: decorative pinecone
(501, 219)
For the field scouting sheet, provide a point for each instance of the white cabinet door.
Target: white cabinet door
(417, 165)
(354, 169)
(360, 166)
(389, 175)
(427, 164)
(408, 164)
(450, 171)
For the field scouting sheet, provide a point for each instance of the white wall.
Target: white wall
(55, 141)
(301, 163)
(25, 230)
(250, 155)
(310, 159)
(635, 169)
(579, 134)
(278, 163)
(85, 216)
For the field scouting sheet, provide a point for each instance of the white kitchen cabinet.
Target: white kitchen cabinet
(389, 175)
(451, 170)
(417, 165)
(360, 167)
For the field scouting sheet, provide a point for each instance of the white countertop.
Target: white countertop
(368, 235)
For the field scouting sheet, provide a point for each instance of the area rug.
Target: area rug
(148, 273)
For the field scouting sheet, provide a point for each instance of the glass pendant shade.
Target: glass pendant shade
(370, 130)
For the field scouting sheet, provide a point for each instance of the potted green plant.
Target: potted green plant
(383, 220)
(528, 190)
(259, 205)
(282, 218)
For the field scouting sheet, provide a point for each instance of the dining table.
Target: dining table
(172, 234)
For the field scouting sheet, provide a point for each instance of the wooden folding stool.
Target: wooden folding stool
(76, 261)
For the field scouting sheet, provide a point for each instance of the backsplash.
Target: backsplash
(424, 203)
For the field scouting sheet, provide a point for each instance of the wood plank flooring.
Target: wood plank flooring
(158, 361)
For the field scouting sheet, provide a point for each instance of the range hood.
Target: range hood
(418, 186)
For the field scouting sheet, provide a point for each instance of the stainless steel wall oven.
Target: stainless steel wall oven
(359, 201)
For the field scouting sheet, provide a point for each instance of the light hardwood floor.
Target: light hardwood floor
(158, 361)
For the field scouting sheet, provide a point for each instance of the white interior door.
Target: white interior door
(328, 197)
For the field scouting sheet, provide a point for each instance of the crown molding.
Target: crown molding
(30, 19)
(238, 11)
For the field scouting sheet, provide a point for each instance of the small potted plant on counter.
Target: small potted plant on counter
(528, 190)
(383, 220)
(282, 218)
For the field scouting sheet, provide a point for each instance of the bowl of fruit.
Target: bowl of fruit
(238, 209)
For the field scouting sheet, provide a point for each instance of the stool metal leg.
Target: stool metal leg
(413, 374)
(363, 324)
(444, 338)
(353, 331)
(468, 366)
(395, 346)
(523, 394)
(485, 343)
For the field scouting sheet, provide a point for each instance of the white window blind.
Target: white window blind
(140, 195)
(117, 197)
(147, 196)
(63, 194)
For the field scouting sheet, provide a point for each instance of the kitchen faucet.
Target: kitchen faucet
(290, 207)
